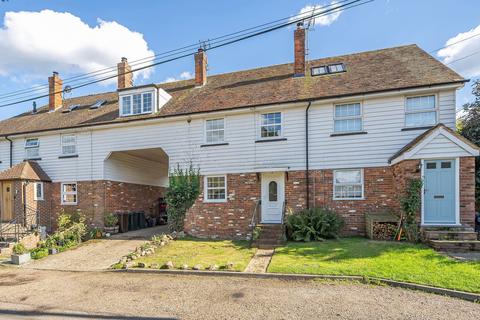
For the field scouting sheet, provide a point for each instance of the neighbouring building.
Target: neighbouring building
(344, 132)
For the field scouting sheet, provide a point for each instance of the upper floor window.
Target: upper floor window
(69, 144)
(420, 111)
(347, 184)
(215, 130)
(215, 189)
(138, 103)
(32, 146)
(271, 125)
(332, 68)
(38, 191)
(348, 117)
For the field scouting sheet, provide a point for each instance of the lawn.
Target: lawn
(203, 252)
(391, 260)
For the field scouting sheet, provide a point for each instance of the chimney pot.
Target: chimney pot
(200, 68)
(125, 76)
(55, 92)
(299, 51)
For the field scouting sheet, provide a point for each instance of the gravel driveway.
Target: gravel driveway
(97, 254)
(48, 294)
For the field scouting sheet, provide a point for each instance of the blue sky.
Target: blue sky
(162, 25)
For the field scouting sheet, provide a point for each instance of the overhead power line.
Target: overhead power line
(150, 59)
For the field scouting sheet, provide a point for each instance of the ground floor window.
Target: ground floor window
(348, 184)
(216, 189)
(69, 193)
(38, 191)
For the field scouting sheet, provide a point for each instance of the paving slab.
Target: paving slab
(97, 254)
(260, 261)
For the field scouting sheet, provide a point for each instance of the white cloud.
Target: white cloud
(33, 44)
(322, 20)
(185, 75)
(463, 56)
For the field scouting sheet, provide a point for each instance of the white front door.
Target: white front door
(273, 195)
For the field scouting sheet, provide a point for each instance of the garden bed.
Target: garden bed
(204, 253)
(390, 260)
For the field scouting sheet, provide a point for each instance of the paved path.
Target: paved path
(96, 254)
(260, 261)
(48, 294)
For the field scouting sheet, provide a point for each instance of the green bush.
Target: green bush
(39, 253)
(313, 224)
(110, 220)
(183, 190)
(19, 248)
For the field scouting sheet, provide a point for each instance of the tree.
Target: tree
(469, 127)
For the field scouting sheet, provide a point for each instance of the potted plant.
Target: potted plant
(20, 254)
(111, 223)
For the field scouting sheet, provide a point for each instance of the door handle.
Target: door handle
(438, 196)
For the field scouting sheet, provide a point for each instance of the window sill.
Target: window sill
(270, 140)
(417, 128)
(68, 156)
(215, 201)
(348, 199)
(68, 204)
(347, 133)
(214, 144)
(32, 159)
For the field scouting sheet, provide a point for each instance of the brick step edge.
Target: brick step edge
(473, 297)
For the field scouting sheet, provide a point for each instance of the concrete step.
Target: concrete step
(455, 245)
(450, 235)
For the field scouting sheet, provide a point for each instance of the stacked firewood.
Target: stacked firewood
(384, 230)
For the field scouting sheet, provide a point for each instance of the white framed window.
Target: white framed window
(38, 191)
(348, 184)
(215, 189)
(32, 148)
(348, 117)
(69, 144)
(215, 130)
(271, 125)
(138, 103)
(69, 193)
(420, 111)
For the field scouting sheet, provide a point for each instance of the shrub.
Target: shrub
(183, 190)
(314, 225)
(410, 204)
(39, 253)
(19, 248)
(71, 230)
(110, 220)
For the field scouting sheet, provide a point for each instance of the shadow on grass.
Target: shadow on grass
(360, 248)
(38, 314)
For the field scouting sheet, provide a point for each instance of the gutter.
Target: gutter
(307, 172)
(11, 150)
(186, 114)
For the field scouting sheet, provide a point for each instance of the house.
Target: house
(344, 132)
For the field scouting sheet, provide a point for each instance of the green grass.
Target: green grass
(391, 260)
(204, 252)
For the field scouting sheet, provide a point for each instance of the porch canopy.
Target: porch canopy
(27, 170)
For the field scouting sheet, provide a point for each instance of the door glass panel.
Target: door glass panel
(272, 191)
(446, 165)
(431, 165)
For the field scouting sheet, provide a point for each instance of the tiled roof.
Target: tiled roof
(367, 72)
(27, 170)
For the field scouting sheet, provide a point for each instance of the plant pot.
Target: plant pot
(111, 230)
(52, 251)
(19, 259)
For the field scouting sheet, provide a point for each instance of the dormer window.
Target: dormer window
(141, 100)
(139, 103)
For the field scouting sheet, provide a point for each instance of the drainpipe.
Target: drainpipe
(11, 150)
(307, 173)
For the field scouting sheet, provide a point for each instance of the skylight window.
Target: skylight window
(71, 108)
(332, 68)
(98, 104)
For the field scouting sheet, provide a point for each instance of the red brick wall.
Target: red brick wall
(467, 191)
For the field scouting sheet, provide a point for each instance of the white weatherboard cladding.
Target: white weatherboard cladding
(181, 140)
(441, 146)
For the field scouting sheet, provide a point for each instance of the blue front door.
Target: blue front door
(439, 188)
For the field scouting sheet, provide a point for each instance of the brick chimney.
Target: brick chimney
(200, 68)
(54, 92)
(299, 43)
(125, 77)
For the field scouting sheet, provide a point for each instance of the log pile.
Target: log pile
(384, 230)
